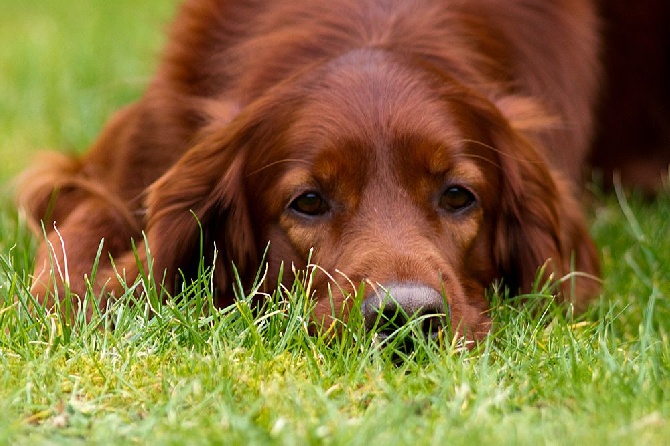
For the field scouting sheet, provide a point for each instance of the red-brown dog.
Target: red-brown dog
(426, 147)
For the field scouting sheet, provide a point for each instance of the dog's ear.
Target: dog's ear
(197, 206)
(540, 223)
(200, 204)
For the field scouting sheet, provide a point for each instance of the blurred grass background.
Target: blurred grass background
(66, 65)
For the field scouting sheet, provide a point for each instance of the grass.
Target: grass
(196, 375)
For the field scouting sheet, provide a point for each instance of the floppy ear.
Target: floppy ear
(540, 223)
(200, 205)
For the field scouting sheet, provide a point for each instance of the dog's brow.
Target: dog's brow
(486, 160)
(493, 149)
(274, 163)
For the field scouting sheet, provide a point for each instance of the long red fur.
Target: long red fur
(246, 87)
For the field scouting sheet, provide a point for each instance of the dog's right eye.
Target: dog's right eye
(457, 198)
(310, 203)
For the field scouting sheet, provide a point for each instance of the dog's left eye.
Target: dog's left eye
(456, 198)
(310, 203)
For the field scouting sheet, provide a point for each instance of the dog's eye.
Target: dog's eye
(456, 198)
(310, 203)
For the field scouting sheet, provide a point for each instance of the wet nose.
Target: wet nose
(388, 308)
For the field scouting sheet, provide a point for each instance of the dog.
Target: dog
(426, 149)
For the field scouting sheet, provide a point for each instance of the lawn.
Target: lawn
(191, 374)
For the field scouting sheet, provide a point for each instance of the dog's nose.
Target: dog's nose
(390, 307)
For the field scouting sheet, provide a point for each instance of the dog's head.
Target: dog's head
(382, 170)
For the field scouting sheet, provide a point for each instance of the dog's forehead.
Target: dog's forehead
(371, 119)
(394, 158)
(371, 95)
(379, 121)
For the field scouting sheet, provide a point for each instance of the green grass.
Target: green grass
(196, 375)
